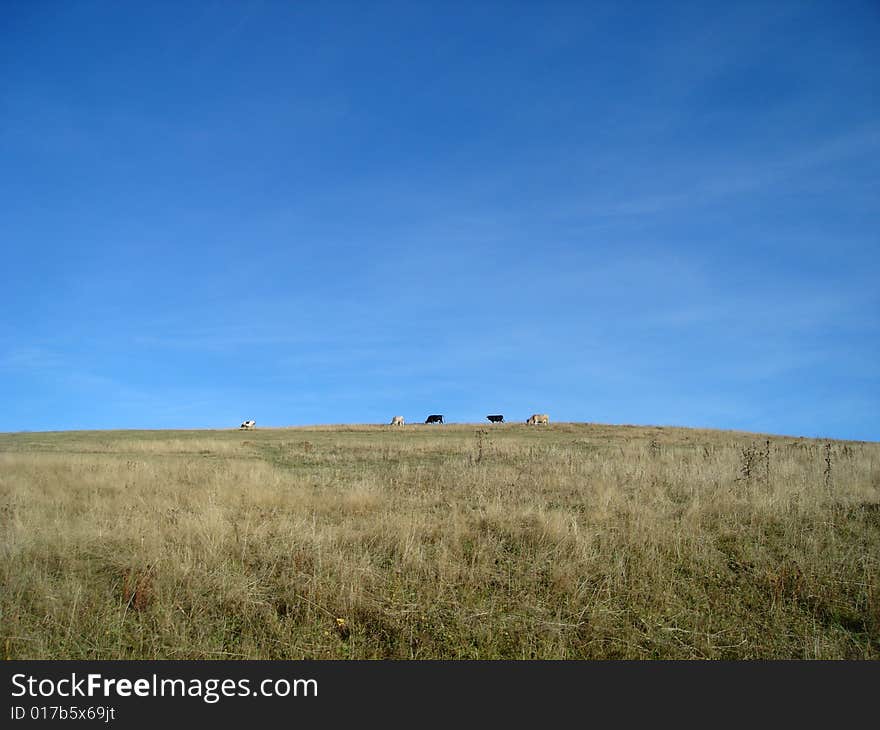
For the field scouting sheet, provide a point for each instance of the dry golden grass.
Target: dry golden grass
(482, 541)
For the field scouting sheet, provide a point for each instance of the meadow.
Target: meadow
(568, 541)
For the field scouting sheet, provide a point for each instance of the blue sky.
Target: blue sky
(645, 213)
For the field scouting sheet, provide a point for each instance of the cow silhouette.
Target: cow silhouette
(496, 419)
(434, 418)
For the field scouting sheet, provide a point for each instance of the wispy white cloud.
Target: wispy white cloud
(713, 184)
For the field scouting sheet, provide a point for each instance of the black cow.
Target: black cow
(496, 419)
(434, 418)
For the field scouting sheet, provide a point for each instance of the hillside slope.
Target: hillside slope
(456, 541)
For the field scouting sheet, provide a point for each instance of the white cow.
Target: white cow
(248, 425)
(397, 421)
(537, 418)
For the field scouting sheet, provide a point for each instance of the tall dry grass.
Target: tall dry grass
(570, 541)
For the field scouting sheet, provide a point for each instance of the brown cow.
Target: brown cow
(537, 418)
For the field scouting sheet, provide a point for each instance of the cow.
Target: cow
(537, 418)
(397, 421)
(434, 418)
(248, 425)
(496, 419)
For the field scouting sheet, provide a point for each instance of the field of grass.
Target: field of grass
(573, 541)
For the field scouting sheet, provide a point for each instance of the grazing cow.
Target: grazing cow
(434, 418)
(397, 421)
(496, 419)
(537, 418)
(248, 425)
